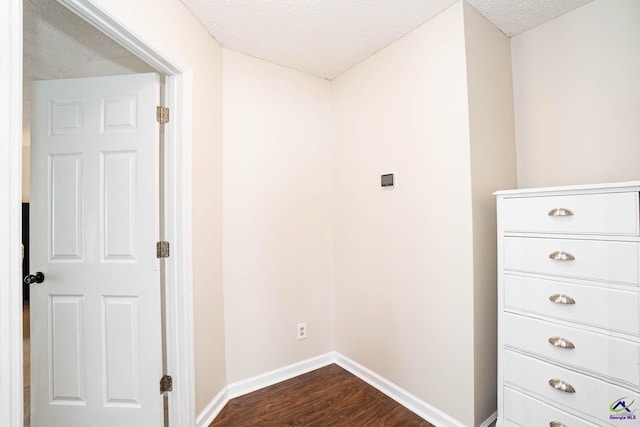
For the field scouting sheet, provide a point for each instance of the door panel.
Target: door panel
(67, 374)
(65, 199)
(118, 201)
(121, 351)
(95, 320)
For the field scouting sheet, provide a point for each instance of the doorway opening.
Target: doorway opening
(57, 44)
(179, 327)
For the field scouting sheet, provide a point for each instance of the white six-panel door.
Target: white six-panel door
(95, 320)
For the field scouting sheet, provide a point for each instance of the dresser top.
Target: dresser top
(571, 189)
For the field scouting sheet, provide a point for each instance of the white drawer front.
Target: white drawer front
(525, 411)
(592, 397)
(596, 260)
(602, 354)
(601, 307)
(613, 214)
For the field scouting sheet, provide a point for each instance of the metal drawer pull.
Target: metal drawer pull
(560, 212)
(561, 385)
(562, 299)
(561, 256)
(556, 424)
(561, 342)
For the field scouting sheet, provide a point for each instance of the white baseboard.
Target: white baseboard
(400, 395)
(249, 385)
(489, 420)
(278, 375)
(212, 410)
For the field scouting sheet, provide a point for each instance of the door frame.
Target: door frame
(10, 218)
(121, 27)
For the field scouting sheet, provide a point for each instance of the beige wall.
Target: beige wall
(278, 215)
(175, 27)
(402, 280)
(577, 91)
(493, 167)
(403, 256)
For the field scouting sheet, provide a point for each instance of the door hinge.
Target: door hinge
(162, 249)
(162, 114)
(166, 384)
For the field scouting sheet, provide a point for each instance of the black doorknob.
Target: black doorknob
(34, 278)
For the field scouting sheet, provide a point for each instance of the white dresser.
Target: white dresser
(569, 306)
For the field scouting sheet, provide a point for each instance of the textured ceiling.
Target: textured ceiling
(516, 16)
(321, 37)
(326, 37)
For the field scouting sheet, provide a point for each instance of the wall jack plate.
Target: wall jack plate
(301, 331)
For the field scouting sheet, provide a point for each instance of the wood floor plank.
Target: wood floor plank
(328, 396)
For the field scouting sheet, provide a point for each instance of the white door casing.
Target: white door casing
(122, 27)
(96, 325)
(119, 24)
(10, 215)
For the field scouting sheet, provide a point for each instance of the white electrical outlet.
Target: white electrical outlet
(301, 331)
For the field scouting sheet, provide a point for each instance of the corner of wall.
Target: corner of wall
(493, 166)
(277, 215)
(211, 375)
(405, 109)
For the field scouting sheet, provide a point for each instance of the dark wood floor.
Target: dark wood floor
(329, 396)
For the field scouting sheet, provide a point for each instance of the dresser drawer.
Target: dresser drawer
(591, 397)
(612, 357)
(609, 214)
(612, 309)
(594, 260)
(522, 410)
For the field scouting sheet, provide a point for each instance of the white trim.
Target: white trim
(123, 28)
(400, 395)
(10, 213)
(179, 271)
(583, 188)
(258, 382)
(118, 24)
(489, 420)
(212, 410)
(249, 385)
